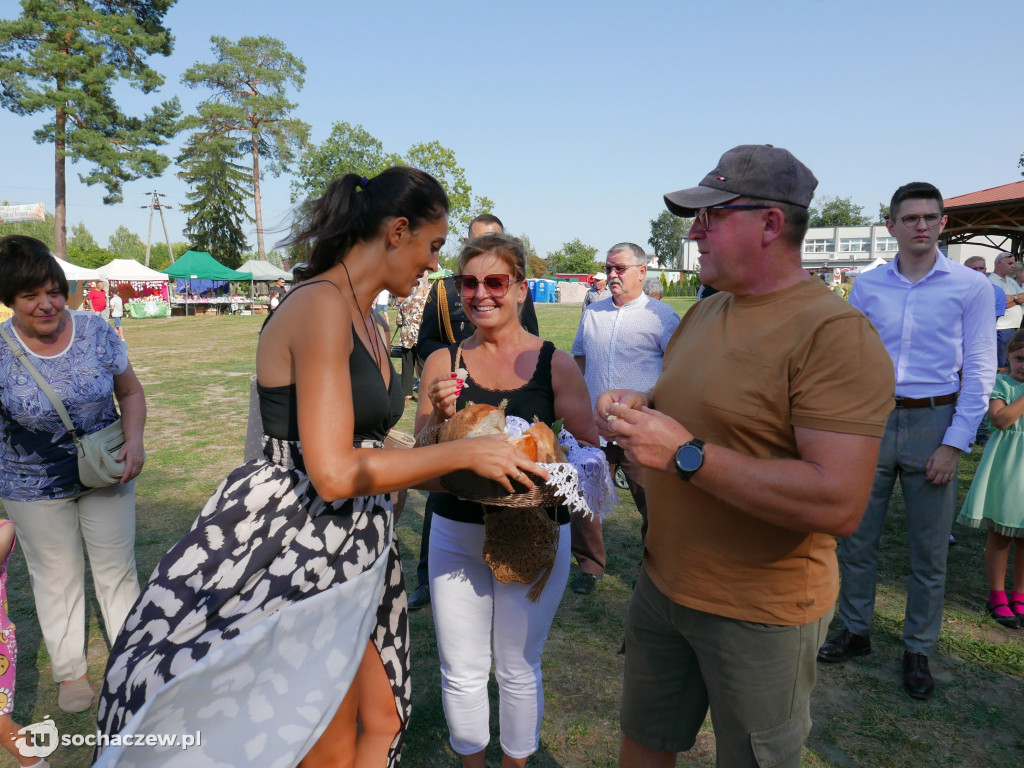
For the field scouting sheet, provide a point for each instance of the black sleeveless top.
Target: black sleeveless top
(375, 408)
(536, 398)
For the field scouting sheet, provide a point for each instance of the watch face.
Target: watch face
(689, 458)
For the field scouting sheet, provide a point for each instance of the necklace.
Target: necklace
(374, 341)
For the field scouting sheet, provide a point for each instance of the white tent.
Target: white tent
(264, 271)
(74, 272)
(129, 270)
(878, 262)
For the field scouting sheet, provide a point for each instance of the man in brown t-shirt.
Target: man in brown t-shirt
(757, 457)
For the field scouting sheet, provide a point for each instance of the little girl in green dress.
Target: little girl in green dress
(996, 498)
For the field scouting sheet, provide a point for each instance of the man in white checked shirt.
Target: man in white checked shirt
(619, 345)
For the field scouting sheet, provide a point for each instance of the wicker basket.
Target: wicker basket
(470, 486)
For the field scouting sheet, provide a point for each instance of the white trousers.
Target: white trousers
(50, 533)
(468, 603)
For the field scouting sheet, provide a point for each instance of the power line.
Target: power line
(154, 202)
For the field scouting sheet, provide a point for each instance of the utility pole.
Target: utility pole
(154, 202)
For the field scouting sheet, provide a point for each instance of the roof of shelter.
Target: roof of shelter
(129, 270)
(264, 270)
(991, 217)
(1002, 193)
(201, 265)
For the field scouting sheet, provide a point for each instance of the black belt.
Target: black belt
(925, 402)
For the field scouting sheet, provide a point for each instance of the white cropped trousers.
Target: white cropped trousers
(468, 602)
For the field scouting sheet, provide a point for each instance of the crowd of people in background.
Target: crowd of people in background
(746, 469)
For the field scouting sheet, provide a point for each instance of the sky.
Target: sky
(576, 117)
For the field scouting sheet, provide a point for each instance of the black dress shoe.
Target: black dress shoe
(917, 678)
(843, 646)
(420, 597)
(1007, 621)
(585, 583)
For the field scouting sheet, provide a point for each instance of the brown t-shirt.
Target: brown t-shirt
(742, 372)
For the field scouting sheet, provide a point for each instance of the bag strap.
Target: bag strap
(44, 385)
(443, 310)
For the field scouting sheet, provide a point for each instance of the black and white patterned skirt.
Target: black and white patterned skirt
(251, 629)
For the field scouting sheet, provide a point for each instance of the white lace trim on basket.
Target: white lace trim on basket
(584, 483)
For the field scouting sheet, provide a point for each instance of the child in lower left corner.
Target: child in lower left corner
(995, 497)
(9, 658)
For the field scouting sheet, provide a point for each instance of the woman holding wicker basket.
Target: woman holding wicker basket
(500, 365)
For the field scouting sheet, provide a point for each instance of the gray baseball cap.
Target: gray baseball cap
(749, 170)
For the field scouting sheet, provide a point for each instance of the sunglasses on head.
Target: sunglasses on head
(495, 285)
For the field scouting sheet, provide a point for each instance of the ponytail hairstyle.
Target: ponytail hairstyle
(354, 209)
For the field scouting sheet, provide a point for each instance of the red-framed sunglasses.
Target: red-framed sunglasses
(495, 285)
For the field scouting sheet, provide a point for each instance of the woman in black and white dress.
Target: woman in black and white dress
(281, 616)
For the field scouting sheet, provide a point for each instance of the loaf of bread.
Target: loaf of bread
(473, 421)
(538, 442)
(548, 449)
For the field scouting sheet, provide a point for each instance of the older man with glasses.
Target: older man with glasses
(769, 413)
(935, 319)
(619, 345)
(1014, 314)
(977, 263)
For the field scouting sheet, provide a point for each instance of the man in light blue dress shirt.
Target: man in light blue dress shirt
(936, 320)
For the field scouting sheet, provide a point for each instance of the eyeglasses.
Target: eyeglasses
(979, 268)
(609, 268)
(705, 220)
(494, 285)
(911, 220)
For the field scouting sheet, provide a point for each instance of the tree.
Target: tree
(88, 256)
(535, 265)
(883, 213)
(667, 234)
(83, 249)
(574, 258)
(81, 237)
(352, 149)
(219, 190)
(440, 162)
(250, 82)
(838, 212)
(349, 149)
(125, 244)
(64, 58)
(158, 258)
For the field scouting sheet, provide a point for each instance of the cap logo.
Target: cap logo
(721, 178)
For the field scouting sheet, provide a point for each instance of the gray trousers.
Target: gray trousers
(911, 436)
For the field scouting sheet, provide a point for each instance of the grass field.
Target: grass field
(196, 373)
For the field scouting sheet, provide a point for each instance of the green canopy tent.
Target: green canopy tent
(199, 265)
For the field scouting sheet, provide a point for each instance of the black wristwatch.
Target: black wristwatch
(689, 458)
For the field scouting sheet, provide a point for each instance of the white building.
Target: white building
(835, 250)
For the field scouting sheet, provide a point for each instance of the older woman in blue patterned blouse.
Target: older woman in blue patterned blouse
(86, 364)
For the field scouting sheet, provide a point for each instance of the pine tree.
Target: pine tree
(63, 57)
(220, 188)
(250, 81)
